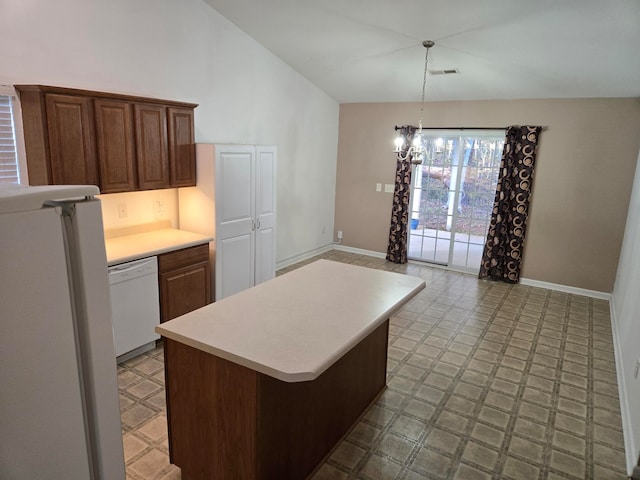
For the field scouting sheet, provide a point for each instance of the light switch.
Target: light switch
(378, 187)
(389, 187)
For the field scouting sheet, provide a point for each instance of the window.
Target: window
(452, 196)
(11, 153)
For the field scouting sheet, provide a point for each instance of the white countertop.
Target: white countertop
(297, 325)
(131, 247)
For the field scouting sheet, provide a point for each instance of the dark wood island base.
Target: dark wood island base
(227, 421)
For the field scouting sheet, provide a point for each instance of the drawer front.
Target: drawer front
(184, 257)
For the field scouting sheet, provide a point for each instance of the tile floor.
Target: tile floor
(485, 381)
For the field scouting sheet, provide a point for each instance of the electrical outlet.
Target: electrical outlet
(339, 234)
(158, 209)
(122, 210)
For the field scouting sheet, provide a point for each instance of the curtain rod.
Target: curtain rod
(458, 128)
(452, 128)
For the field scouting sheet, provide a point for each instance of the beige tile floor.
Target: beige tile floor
(485, 381)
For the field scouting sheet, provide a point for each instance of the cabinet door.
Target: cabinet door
(151, 146)
(184, 290)
(265, 214)
(115, 141)
(235, 219)
(71, 140)
(182, 153)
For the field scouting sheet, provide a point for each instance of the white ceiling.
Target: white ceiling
(371, 50)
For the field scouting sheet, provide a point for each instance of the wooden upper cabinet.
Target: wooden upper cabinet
(115, 142)
(182, 148)
(119, 142)
(72, 152)
(151, 146)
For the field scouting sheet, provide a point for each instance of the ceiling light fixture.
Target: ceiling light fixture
(409, 144)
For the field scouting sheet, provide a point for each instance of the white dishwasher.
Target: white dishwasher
(135, 306)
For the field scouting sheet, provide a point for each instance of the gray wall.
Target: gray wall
(626, 308)
(581, 191)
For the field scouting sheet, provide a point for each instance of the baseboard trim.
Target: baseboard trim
(303, 256)
(630, 449)
(566, 289)
(359, 251)
(524, 281)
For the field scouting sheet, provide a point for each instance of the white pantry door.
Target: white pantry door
(235, 219)
(265, 213)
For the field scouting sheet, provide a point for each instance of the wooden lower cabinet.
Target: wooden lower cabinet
(227, 421)
(185, 281)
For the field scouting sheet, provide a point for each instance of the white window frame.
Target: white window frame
(8, 90)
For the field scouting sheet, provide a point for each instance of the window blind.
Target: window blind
(8, 151)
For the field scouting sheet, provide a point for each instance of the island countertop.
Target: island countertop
(297, 325)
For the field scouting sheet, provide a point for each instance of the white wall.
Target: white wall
(184, 50)
(625, 305)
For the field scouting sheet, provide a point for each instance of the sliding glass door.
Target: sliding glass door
(452, 196)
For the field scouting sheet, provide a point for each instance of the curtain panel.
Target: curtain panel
(505, 239)
(397, 248)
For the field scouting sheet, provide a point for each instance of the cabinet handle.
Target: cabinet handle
(253, 225)
(258, 223)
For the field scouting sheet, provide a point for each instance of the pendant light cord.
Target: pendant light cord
(427, 44)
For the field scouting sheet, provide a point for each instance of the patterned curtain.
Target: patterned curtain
(397, 249)
(505, 239)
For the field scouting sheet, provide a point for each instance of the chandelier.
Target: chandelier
(409, 142)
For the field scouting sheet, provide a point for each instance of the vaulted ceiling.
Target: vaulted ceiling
(371, 50)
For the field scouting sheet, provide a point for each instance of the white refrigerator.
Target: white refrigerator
(59, 406)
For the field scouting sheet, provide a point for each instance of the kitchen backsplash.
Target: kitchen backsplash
(134, 208)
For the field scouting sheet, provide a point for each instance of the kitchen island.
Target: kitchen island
(263, 384)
